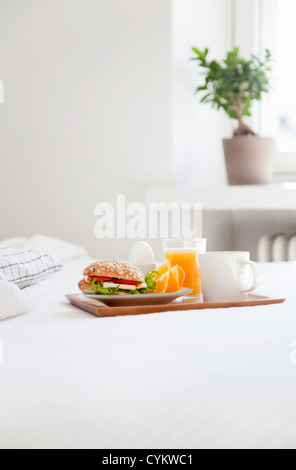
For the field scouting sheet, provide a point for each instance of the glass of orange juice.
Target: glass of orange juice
(184, 252)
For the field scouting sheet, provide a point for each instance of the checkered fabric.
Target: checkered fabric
(24, 268)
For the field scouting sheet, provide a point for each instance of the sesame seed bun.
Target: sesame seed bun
(115, 269)
(85, 287)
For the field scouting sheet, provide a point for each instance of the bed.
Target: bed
(196, 379)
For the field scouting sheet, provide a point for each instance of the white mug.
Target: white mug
(225, 276)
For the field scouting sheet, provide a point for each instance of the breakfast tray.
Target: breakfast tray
(100, 310)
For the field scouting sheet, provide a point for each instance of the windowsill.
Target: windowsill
(230, 198)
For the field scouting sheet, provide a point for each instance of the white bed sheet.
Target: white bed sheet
(197, 379)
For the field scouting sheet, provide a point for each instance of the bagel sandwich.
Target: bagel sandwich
(109, 277)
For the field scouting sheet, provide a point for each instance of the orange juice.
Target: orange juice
(188, 260)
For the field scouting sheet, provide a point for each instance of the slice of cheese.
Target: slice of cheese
(143, 285)
(121, 286)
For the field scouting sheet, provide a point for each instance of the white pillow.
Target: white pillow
(61, 250)
(12, 301)
(25, 268)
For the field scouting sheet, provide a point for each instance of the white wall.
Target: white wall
(87, 112)
(198, 129)
(99, 100)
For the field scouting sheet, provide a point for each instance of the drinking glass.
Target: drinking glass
(185, 253)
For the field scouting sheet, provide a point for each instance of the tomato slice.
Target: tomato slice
(112, 279)
(100, 278)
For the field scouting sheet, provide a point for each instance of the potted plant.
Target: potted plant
(233, 85)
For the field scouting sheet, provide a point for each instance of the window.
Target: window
(286, 75)
(261, 24)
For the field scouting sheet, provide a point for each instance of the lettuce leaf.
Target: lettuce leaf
(98, 289)
(151, 283)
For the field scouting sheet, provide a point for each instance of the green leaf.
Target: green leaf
(234, 83)
(98, 289)
(205, 98)
(150, 280)
(202, 88)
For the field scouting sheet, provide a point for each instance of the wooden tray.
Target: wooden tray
(100, 310)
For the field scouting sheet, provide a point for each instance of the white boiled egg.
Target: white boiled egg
(141, 254)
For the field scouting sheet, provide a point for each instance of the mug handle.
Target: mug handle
(256, 274)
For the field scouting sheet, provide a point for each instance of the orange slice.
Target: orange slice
(169, 282)
(180, 273)
(161, 284)
(164, 268)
